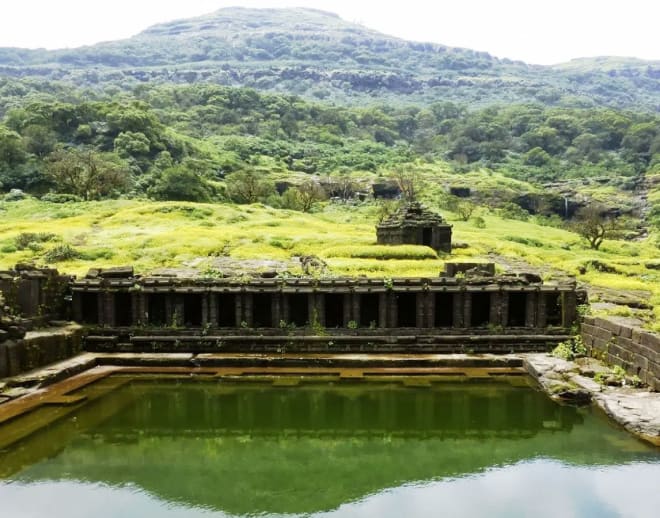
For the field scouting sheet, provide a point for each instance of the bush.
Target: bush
(99, 253)
(15, 195)
(61, 253)
(53, 197)
(29, 240)
(479, 222)
(181, 184)
(570, 349)
(511, 210)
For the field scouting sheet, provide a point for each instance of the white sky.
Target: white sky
(535, 31)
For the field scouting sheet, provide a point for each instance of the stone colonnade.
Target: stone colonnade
(360, 304)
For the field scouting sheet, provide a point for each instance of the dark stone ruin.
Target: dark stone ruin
(32, 298)
(476, 311)
(414, 224)
(466, 309)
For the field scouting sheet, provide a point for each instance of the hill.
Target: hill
(318, 55)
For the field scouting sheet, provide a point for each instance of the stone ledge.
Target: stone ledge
(637, 410)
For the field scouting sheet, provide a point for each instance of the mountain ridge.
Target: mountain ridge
(317, 54)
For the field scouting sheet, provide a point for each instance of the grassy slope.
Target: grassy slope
(170, 234)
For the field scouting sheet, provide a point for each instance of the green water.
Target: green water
(207, 448)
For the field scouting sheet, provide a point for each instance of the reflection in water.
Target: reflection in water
(166, 448)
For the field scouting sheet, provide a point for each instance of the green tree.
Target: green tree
(12, 150)
(86, 173)
(180, 183)
(131, 144)
(537, 157)
(594, 224)
(39, 140)
(248, 187)
(308, 193)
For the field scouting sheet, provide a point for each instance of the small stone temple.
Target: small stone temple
(414, 224)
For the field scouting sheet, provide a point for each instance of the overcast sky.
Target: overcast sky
(535, 31)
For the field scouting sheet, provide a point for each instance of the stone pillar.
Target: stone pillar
(139, 303)
(169, 309)
(313, 308)
(467, 309)
(320, 308)
(382, 310)
(495, 317)
(392, 310)
(276, 309)
(248, 309)
(179, 310)
(205, 309)
(429, 306)
(348, 308)
(530, 309)
(458, 309)
(238, 309)
(285, 312)
(109, 309)
(355, 308)
(135, 309)
(213, 309)
(504, 308)
(541, 310)
(568, 308)
(420, 309)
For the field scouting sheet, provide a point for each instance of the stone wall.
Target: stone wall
(31, 297)
(39, 348)
(32, 292)
(620, 341)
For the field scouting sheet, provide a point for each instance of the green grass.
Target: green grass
(149, 235)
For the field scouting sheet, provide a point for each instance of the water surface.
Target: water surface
(211, 448)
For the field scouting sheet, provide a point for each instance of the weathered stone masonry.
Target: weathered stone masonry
(414, 224)
(32, 298)
(620, 342)
(441, 314)
(473, 312)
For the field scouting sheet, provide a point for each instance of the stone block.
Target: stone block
(654, 368)
(626, 343)
(590, 321)
(640, 367)
(610, 325)
(619, 352)
(600, 344)
(602, 333)
(626, 332)
(588, 328)
(15, 357)
(650, 340)
(119, 272)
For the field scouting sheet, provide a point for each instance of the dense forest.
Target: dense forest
(198, 134)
